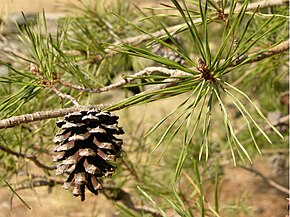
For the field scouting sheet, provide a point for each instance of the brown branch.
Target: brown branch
(121, 83)
(255, 57)
(31, 157)
(35, 70)
(44, 115)
(280, 48)
(39, 182)
(267, 180)
(264, 4)
(120, 195)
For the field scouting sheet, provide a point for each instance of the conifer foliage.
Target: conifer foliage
(221, 65)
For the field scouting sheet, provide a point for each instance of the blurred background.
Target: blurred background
(241, 188)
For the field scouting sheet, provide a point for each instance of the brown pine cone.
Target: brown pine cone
(87, 145)
(165, 52)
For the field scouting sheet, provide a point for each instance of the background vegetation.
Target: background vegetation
(199, 87)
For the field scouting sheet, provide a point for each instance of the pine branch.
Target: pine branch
(121, 83)
(174, 74)
(265, 4)
(31, 157)
(280, 48)
(44, 115)
(180, 27)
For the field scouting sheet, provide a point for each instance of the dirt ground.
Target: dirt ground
(240, 189)
(238, 185)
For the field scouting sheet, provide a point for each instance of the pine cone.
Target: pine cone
(87, 145)
(165, 52)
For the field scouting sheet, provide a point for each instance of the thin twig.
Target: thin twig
(146, 209)
(39, 183)
(131, 169)
(168, 82)
(280, 48)
(268, 180)
(121, 83)
(72, 86)
(35, 70)
(121, 195)
(31, 157)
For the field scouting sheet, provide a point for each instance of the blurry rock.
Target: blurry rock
(274, 117)
(166, 52)
(4, 70)
(278, 163)
(16, 19)
(277, 119)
